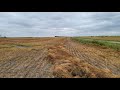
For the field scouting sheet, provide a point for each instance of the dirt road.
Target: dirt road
(57, 57)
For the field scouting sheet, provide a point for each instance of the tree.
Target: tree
(5, 37)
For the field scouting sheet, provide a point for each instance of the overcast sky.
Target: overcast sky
(16, 24)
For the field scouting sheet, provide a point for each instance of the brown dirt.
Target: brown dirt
(57, 58)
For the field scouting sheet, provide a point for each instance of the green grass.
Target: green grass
(107, 38)
(115, 46)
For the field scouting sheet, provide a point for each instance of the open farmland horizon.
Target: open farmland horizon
(59, 45)
(56, 57)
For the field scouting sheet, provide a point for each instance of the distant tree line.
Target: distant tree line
(2, 36)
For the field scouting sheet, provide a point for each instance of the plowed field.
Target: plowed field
(58, 57)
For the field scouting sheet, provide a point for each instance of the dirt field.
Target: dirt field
(58, 57)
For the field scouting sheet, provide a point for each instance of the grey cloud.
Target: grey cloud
(59, 23)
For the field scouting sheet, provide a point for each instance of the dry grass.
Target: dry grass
(96, 56)
(54, 57)
(67, 66)
(24, 57)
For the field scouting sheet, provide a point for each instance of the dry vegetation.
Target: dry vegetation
(56, 58)
(67, 66)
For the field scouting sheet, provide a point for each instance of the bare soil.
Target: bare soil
(56, 58)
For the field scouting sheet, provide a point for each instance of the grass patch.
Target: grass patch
(22, 45)
(14, 45)
(6, 46)
(107, 38)
(115, 46)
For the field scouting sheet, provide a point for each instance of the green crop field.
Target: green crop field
(108, 38)
(110, 42)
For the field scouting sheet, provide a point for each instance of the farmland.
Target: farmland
(58, 57)
(106, 41)
(110, 38)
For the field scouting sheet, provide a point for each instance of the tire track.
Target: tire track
(75, 51)
(98, 62)
(32, 64)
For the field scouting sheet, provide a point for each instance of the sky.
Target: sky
(47, 24)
